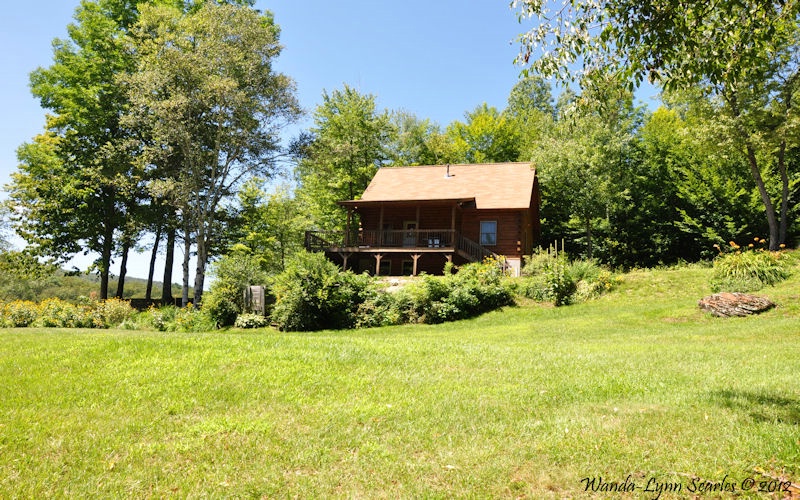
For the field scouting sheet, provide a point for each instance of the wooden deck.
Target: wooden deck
(416, 241)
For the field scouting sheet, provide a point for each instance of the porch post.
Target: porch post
(416, 257)
(380, 228)
(347, 229)
(378, 258)
(345, 257)
(454, 243)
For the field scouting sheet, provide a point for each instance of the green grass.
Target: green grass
(519, 403)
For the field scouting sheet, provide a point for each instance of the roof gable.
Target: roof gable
(492, 185)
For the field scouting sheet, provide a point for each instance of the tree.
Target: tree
(75, 180)
(351, 139)
(586, 163)
(530, 108)
(415, 141)
(270, 227)
(743, 54)
(487, 136)
(206, 87)
(5, 229)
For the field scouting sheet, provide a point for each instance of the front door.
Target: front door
(410, 234)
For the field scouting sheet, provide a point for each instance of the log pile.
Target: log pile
(727, 304)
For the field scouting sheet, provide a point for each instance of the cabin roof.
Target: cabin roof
(491, 185)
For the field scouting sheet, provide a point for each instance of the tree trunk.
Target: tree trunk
(200, 270)
(187, 247)
(169, 262)
(123, 268)
(148, 294)
(589, 237)
(745, 136)
(774, 235)
(105, 258)
(784, 221)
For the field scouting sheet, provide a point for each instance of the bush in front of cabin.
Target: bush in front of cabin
(250, 320)
(475, 289)
(313, 294)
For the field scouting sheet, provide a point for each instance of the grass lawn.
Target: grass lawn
(638, 385)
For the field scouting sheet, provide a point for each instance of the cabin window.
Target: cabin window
(488, 232)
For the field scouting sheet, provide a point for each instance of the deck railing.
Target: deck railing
(473, 251)
(408, 238)
(445, 239)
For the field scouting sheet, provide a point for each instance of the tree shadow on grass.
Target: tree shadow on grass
(761, 406)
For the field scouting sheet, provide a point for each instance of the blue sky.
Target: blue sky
(435, 58)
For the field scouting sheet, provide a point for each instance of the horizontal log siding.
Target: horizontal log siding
(430, 217)
(510, 229)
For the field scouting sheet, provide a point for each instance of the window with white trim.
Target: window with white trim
(488, 232)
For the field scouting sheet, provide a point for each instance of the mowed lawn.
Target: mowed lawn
(637, 386)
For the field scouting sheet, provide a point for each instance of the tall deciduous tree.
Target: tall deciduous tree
(584, 166)
(84, 145)
(350, 143)
(270, 227)
(206, 86)
(486, 136)
(742, 53)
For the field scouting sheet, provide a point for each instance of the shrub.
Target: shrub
(251, 321)
(191, 319)
(113, 312)
(313, 294)
(747, 270)
(220, 305)
(550, 277)
(474, 289)
(55, 312)
(19, 313)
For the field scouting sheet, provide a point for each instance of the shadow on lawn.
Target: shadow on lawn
(762, 407)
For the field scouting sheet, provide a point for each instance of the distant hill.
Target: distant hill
(70, 287)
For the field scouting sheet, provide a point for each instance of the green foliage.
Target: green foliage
(350, 142)
(487, 136)
(475, 289)
(57, 313)
(251, 321)
(313, 294)
(205, 91)
(172, 319)
(269, 227)
(223, 304)
(741, 55)
(19, 313)
(748, 269)
(549, 276)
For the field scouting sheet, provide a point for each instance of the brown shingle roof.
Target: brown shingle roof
(492, 185)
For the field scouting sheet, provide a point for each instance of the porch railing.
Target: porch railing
(409, 238)
(445, 239)
(473, 251)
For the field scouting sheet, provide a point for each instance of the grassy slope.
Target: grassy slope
(523, 402)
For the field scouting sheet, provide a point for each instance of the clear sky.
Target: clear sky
(435, 58)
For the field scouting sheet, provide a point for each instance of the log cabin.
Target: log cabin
(416, 219)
